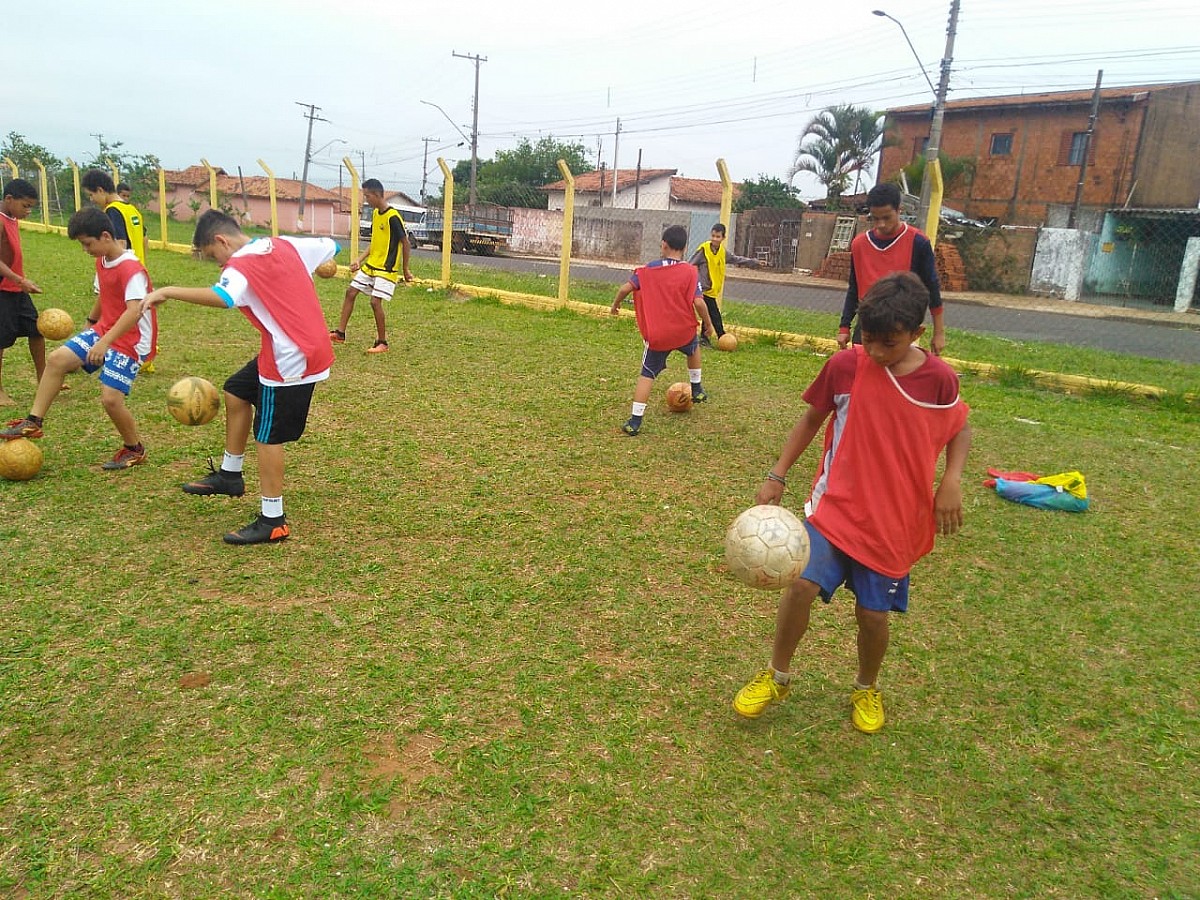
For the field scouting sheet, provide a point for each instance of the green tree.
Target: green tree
(957, 172)
(764, 191)
(23, 152)
(140, 170)
(837, 145)
(513, 177)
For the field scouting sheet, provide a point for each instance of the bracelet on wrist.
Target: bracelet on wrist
(771, 476)
(92, 321)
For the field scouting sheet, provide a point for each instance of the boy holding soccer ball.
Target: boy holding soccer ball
(667, 300)
(270, 281)
(872, 512)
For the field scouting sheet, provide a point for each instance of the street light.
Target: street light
(448, 119)
(939, 108)
(880, 12)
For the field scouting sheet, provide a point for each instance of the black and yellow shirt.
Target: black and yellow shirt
(135, 228)
(385, 257)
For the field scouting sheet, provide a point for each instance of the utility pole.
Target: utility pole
(425, 165)
(939, 113)
(616, 171)
(477, 59)
(312, 116)
(637, 181)
(1087, 148)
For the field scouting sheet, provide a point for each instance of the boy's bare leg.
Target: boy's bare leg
(347, 309)
(791, 621)
(239, 415)
(270, 469)
(113, 402)
(380, 319)
(37, 352)
(872, 642)
(60, 364)
(641, 391)
(5, 400)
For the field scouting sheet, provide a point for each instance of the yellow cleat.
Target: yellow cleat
(759, 693)
(866, 712)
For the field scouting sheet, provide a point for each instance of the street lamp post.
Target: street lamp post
(939, 107)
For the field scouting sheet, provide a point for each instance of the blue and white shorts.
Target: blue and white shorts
(117, 371)
(829, 568)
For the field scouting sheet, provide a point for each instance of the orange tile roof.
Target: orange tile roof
(590, 181)
(1044, 98)
(196, 177)
(698, 190)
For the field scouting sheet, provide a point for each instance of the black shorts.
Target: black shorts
(18, 318)
(280, 413)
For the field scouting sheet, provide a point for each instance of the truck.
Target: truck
(483, 229)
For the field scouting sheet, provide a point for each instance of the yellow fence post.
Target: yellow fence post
(16, 173)
(726, 193)
(75, 179)
(44, 185)
(112, 166)
(163, 212)
(212, 183)
(447, 219)
(935, 201)
(355, 203)
(564, 262)
(274, 202)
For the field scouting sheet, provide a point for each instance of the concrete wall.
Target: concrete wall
(1060, 262)
(1166, 170)
(619, 235)
(537, 232)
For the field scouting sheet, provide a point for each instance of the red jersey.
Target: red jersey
(120, 282)
(872, 263)
(269, 280)
(873, 493)
(12, 237)
(665, 304)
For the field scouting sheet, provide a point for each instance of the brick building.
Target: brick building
(1027, 150)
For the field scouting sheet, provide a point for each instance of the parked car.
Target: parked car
(413, 216)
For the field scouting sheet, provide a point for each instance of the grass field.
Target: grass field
(497, 655)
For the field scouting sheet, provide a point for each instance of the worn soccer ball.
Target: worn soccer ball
(326, 269)
(679, 397)
(766, 547)
(727, 342)
(20, 459)
(193, 401)
(55, 324)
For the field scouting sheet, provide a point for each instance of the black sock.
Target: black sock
(36, 420)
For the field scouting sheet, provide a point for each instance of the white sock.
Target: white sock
(272, 507)
(780, 677)
(862, 687)
(639, 409)
(233, 463)
(694, 376)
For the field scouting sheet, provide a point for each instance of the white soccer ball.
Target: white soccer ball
(766, 547)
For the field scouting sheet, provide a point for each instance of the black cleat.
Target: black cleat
(261, 531)
(217, 481)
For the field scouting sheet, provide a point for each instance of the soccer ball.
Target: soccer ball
(766, 547)
(326, 269)
(20, 459)
(679, 397)
(55, 324)
(727, 342)
(193, 401)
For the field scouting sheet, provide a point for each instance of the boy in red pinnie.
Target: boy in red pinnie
(270, 281)
(667, 300)
(872, 513)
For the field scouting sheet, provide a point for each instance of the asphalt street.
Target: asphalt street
(1147, 337)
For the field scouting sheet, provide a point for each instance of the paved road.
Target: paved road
(1148, 338)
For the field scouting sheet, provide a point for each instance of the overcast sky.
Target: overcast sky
(690, 82)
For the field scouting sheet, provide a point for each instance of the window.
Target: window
(1071, 145)
(920, 145)
(1078, 143)
(1002, 144)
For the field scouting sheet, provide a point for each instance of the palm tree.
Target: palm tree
(839, 142)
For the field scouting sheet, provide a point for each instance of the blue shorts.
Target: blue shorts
(117, 371)
(829, 568)
(654, 361)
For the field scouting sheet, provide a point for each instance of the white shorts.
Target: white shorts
(373, 285)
